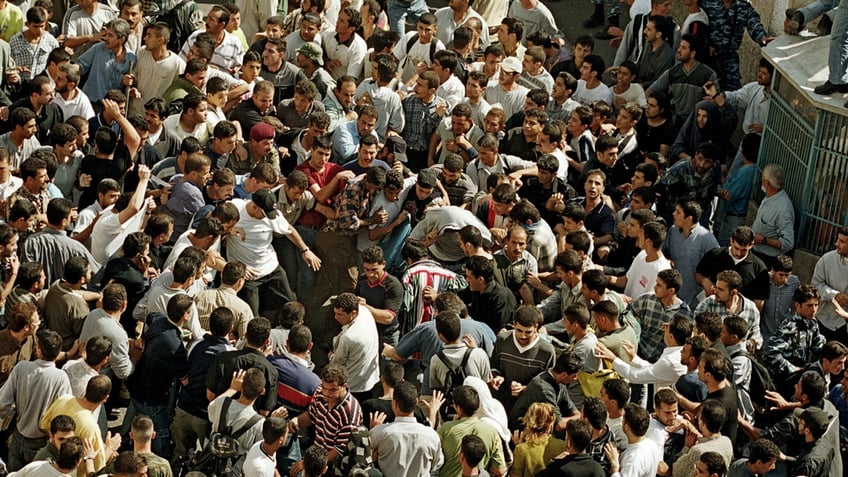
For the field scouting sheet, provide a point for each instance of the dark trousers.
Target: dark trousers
(273, 288)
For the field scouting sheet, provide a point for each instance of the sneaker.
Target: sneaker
(796, 23)
(828, 88)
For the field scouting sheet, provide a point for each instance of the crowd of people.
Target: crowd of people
(300, 240)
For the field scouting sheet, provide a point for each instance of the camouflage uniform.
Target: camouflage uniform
(796, 344)
(726, 29)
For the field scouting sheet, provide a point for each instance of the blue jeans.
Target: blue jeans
(393, 243)
(161, 415)
(816, 8)
(837, 59)
(288, 454)
(399, 11)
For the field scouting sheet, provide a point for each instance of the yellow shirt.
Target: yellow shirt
(87, 427)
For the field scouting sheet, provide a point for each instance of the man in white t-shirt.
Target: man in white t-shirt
(642, 274)
(589, 86)
(505, 91)
(261, 460)
(259, 220)
(121, 219)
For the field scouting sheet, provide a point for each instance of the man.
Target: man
(34, 189)
(589, 86)
(736, 257)
(81, 410)
(105, 321)
(260, 219)
(686, 244)
(642, 274)
(550, 386)
(207, 301)
(466, 404)
(685, 80)
(710, 419)
(297, 382)
(228, 51)
(345, 49)
(577, 462)
(191, 419)
(513, 266)
(519, 355)
(493, 303)
(725, 35)
(450, 87)
(833, 286)
(61, 429)
(310, 59)
(797, 343)
(490, 161)
(21, 141)
(569, 269)
(124, 217)
(68, 458)
(656, 55)
(17, 342)
(507, 91)
(458, 135)
(455, 356)
(423, 111)
(142, 434)
(220, 374)
(654, 311)
(642, 455)
(108, 193)
(817, 454)
(31, 388)
(310, 26)
(52, 246)
(356, 348)
(712, 371)
(225, 411)
(382, 294)
(728, 300)
(774, 225)
(540, 190)
(65, 306)
(333, 412)
(163, 361)
(261, 104)
(456, 14)
(761, 460)
(83, 25)
(600, 218)
(534, 74)
(108, 63)
(666, 370)
(696, 178)
(40, 101)
(157, 66)
(261, 459)
(191, 121)
(347, 137)
(405, 447)
(339, 104)
(510, 34)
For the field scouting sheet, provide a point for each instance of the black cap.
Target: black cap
(265, 200)
(816, 420)
(397, 146)
(427, 178)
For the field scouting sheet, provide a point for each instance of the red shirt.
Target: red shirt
(312, 218)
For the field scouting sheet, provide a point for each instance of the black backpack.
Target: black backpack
(760, 383)
(414, 39)
(182, 19)
(222, 456)
(453, 379)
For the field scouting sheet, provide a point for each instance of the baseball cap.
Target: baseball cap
(262, 131)
(511, 64)
(397, 146)
(427, 178)
(266, 201)
(313, 51)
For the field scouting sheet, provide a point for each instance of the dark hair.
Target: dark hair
(637, 418)
(833, 350)
(715, 363)
(347, 302)
(71, 453)
(58, 209)
(814, 386)
(29, 274)
(568, 261)
(763, 450)
(98, 388)
(481, 267)
(672, 278)
(414, 250)
(406, 397)
(221, 321)
(580, 434)
(467, 399)
(184, 269)
(680, 328)
(258, 332)
(568, 362)
(254, 384)
(596, 63)
(334, 374)
(580, 241)
(105, 140)
(514, 26)
(314, 461)
(574, 211)
(20, 315)
(664, 396)
(805, 293)
(743, 235)
(49, 343)
(709, 324)
(273, 429)
(76, 268)
(607, 309)
(448, 325)
(617, 390)
(655, 232)
(714, 462)
(300, 337)
(449, 301)
(731, 277)
(392, 373)
(62, 423)
(713, 415)
(97, 348)
(577, 314)
(21, 209)
(595, 412)
(291, 314)
(527, 315)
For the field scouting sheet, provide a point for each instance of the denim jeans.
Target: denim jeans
(837, 59)
(812, 10)
(22, 450)
(161, 415)
(393, 243)
(400, 11)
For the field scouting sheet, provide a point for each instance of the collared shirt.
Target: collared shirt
(209, 300)
(830, 276)
(447, 25)
(512, 273)
(39, 200)
(747, 311)
(504, 164)
(104, 71)
(651, 315)
(350, 54)
(53, 249)
(227, 55)
(357, 349)
(796, 344)
(406, 448)
(352, 205)
(775, 219)
(32, 56)
(19, 154)
(421, 121)
(553, 307)
(778, 307)
(755, 99)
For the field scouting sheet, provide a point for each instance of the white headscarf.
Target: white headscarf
(491, 410)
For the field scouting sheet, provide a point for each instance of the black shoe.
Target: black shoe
(603, 35)
(825, 25)
(827, 88)
(594, 21)
(796, 23)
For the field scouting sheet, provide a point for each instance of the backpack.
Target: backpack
(453, 379)
(414, 39)
(760, 383)
(407, 67)
(222, 456)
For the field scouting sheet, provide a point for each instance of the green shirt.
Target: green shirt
(451, 434)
